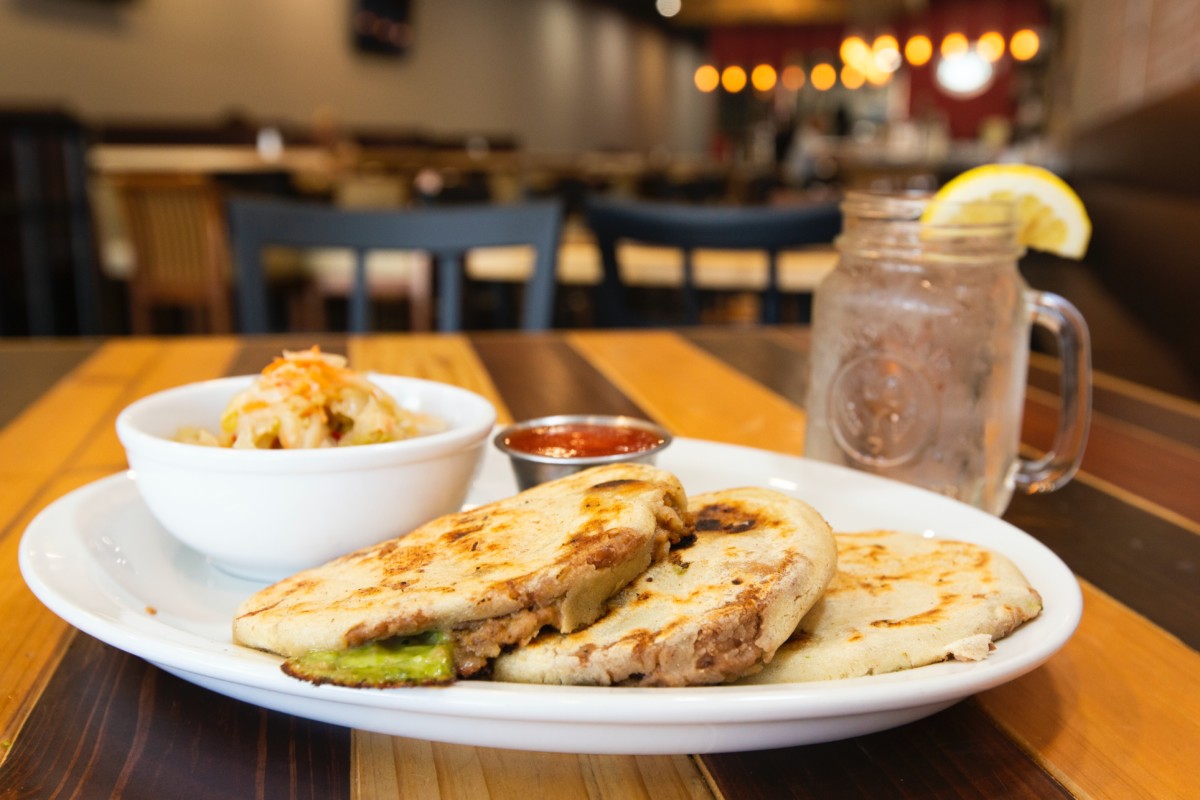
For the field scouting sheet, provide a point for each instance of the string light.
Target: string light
(871, 63)
(792, 77)
(955, 44)
(763, 77)
(876, 76)
(1024, 44)
(733, 79)
(991, 46)
(707, 78)
(855, 51)
(823, 77)
(886, 52)
(918, 50)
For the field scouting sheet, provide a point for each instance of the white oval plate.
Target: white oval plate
(97, 558)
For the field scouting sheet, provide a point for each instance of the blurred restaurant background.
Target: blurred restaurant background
(405, 104)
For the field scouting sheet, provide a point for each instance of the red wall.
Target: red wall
(748, 46)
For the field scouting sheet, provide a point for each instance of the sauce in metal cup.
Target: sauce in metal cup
(547, 448)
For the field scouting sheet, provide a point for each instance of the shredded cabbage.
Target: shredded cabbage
(311, 399)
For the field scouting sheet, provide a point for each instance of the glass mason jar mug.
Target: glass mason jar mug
(920, 350)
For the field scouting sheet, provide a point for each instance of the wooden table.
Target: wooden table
(1116, 713)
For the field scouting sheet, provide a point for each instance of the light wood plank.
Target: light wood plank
(693, 393)
(448, 358)
(176, 362)
(395, 766)
(1116, 713)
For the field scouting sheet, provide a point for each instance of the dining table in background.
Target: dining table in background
(1115, 713)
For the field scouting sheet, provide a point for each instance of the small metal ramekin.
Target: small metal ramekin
(531, 469)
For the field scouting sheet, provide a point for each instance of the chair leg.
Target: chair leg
(306, 308)
(140, 314)
(220, 316)
(420, 297)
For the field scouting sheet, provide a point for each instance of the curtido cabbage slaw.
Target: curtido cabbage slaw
(310, 399)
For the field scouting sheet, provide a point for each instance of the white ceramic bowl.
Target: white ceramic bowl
(265, 514)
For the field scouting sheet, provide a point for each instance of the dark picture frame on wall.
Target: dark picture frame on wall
(381, 27)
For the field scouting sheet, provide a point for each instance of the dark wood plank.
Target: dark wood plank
(1174, 417)
(1153, 467)
(30, 368)
(1142, 560)
(111, 725)
(540, 375)
(757, 353)
(958, 753)
(258, 351)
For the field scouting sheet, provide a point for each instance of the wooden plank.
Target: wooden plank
(259, 351)
(1116, 713)
(30, 368)
(45, 435)
(763, 354)
(437, 357)
(541, 375)
(957, 753)
(177, 362)
(1171, 416)
(394, 766)
(1155, 467)
(692, 392)
(1144, 561)
(137, 731)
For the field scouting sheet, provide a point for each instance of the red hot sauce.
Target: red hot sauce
(581, 440)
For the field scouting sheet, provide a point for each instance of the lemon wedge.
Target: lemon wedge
(1050, 216)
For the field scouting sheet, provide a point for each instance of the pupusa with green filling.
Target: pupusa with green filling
(442, 601)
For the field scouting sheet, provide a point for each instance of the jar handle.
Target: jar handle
(1059, 465)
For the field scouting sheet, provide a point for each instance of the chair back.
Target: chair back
(176, 226)
(447, 234)
(690, 227)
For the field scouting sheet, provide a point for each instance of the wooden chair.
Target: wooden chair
(447, 234)
(176, 226)
(690, 227)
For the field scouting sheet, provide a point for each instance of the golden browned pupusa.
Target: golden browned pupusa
(489, 577)
(716, 609)
(900, 600)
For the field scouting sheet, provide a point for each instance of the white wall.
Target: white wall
(1128, 53)
(561, 75)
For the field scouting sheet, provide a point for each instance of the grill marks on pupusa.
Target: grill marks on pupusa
(715, 609)
(489, 577)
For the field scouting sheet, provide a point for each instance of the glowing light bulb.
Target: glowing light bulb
(763, 77)
(793, 78)
(707, 78)
(823, 77)
(733, 79)
(855, 51)
(1024, 44)
(918, 50)
(991, 46)
(668, 8)
(955, 44)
